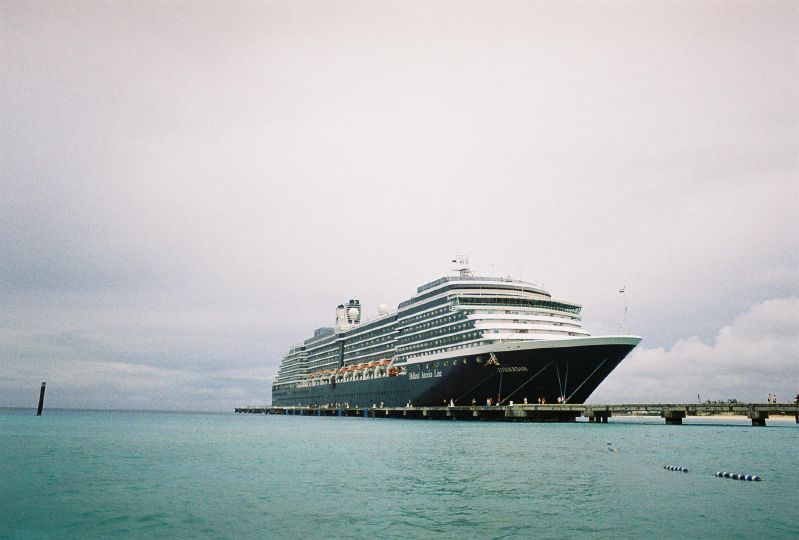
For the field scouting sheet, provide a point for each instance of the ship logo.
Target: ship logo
(492, 360)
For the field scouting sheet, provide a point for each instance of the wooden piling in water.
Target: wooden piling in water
(41, 400)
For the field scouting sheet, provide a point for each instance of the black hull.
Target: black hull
(572, 372)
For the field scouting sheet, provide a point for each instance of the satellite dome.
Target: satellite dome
(352, 313)
(382, 309)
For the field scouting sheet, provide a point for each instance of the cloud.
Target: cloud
(156, 358)
(757, 354)
(194, 189)
(103, 384)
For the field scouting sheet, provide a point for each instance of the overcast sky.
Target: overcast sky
(189, 188)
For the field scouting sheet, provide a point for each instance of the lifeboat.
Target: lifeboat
(392, 372)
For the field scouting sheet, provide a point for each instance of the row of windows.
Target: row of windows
(520, 302)
(455, 362)
(323, 354)
(423, 316)
(365, 343)
(333, 347)
(287, 370)
(373, 357)
(515, 287)
(446, 349)
(422, 307)
(436, 322)
(510, 312)
(536, 316)
(442, 341)
(437, 332)
(365, 328)
(369, 351)
(322, 362)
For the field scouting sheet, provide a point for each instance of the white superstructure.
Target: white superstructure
(444, 318)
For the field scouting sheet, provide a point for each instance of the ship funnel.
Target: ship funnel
(354, 312)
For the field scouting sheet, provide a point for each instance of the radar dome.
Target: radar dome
(382, 309)
(352, 313)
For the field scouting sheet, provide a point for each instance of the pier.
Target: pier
(672, 413)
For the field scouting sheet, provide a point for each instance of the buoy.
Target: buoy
(676, 469)
(733, 476)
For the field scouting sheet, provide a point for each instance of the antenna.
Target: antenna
(623, 327)
(462, 265)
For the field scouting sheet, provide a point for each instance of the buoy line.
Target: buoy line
(676, 469)
(750, 477)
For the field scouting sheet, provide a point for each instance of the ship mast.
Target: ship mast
(462, 265)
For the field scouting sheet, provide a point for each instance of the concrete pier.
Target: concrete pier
(672, 413)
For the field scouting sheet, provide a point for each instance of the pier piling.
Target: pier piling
(758, 418)
(673, 416)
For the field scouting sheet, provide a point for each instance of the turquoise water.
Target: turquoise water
(80, 474)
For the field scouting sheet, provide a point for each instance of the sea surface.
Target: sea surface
(88, 474)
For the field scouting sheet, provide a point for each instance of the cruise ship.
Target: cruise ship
(461, 340)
